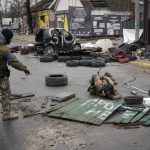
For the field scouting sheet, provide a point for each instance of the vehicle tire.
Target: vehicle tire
(134, 47)
(73, 63)
(131, 58)
(122, 45)
(63, 58)
(48, 49)
(133, 100)
(56, 80)
(76, 47)
(54, 55)
(147, 55)
(85, 62)
(95, 54)
(87, 57)
(97, 63)
(76, 57)
(124, 60)
(114, 59)
(46, 59)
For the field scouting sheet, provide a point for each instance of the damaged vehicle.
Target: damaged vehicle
(55, 40)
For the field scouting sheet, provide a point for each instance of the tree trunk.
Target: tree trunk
(29, 16)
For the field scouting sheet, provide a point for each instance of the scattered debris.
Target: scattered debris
(54, 138)
(63, 96)
(133, 100)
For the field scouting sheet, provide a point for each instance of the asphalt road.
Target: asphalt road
(43, 133)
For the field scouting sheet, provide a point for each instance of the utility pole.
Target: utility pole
(29, 15)
(137, 19)
(1, 15)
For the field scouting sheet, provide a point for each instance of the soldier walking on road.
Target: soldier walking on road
(7, 58)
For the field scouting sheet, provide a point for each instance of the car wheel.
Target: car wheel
(48, 49)
(56, 80)
(76, 47)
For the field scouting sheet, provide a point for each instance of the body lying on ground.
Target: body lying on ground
(104, 86)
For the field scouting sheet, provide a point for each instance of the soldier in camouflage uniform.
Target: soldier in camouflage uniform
(104, 86)
(7, 58)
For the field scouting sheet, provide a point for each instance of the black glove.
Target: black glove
(27, 72)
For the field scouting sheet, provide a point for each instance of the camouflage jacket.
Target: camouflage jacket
(7, 58)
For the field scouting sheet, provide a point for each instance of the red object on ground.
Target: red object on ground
(124, 60)
(118, 54)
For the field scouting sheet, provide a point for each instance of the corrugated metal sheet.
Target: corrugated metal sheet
(132, 116)
(93, 111)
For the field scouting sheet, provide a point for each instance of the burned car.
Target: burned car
(55, 40)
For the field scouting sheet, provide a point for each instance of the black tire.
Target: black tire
(49, 49)
(147, 55)
(87, 57)
(122, 45)
(131, 58)
(63, 58)
(46, 59)
(95, 54)
(73, 63)
(76, 57)
(134, 47)
(114, 59)
(98, 63)
(76, 47)
(133, 100)
(85, 62)
(53, 55)
(56, 80)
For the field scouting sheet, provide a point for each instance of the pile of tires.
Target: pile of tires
(46, 59)
(85, 63)
(98, 62)
(73, 63)
(56, 80)
(63, 58)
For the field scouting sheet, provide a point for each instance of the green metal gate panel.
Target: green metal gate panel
(126, 117)
(93, 111)
(147, 123)
(140, 115)
(144, 119)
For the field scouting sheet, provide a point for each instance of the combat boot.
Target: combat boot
(9, 116)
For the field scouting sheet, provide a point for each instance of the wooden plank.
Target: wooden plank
(140, 115)
(61, 105)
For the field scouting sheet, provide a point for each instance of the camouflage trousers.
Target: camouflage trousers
(6, 94)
